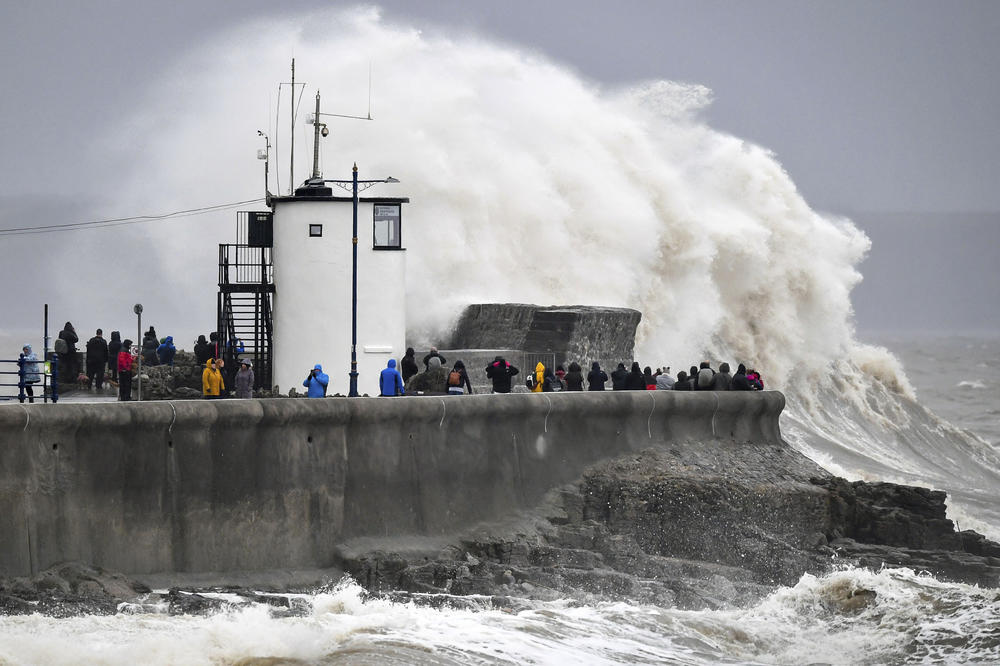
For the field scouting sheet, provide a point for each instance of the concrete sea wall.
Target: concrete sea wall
(230, 485)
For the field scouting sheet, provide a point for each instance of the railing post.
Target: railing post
(20, 378)
(55, 378)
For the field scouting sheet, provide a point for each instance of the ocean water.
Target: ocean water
(530, 184)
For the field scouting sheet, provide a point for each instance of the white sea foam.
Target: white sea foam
(848, 617)
(973, 384)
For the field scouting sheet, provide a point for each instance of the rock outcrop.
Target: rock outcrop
(695, 531)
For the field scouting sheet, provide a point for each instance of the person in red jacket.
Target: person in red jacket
(125, 360)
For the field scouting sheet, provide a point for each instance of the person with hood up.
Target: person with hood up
(665, 381)
(722, 379)
(68, 366)
(536, 379)
(574, 378)
(203, 350)
(647, 376)
(756, 381)
(500, 372)
(635, 381)
(619, 378)
(408, 365)
(458, 380)
(597, 377)
(165, 352)
(390, 382)
(125, 361)
(114, 347)
(316, 382)
(31, 374)
(551, 383)
(149, 345)
(211, 381)
(740, 381)
(244, 380)
(97, 360)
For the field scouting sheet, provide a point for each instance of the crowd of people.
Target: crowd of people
(500, 372)
(116, 360)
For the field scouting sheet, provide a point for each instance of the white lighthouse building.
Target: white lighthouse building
(315, 269)
(318, 279)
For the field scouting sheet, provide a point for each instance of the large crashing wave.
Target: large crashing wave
(529, 184)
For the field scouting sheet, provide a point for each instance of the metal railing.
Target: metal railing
(50, 389)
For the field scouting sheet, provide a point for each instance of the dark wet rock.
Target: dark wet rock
(69, 589)
(191, 603)
(697, 527)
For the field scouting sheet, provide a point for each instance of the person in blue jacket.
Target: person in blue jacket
(165, 352)
(316, 382)
(390, 382)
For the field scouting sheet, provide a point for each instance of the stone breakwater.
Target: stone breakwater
(679, 498)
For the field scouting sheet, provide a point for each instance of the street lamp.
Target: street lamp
(137, 309)
(365, 184)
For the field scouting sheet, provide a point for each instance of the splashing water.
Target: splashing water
(849, 617)
(529, 184)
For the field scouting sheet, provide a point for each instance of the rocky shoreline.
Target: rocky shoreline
(692, 526)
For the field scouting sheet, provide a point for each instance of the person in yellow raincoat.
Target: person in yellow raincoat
(538, 379)
(211, 380)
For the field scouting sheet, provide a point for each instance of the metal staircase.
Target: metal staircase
(246, 291)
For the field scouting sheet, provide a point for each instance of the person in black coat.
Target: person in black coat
(596, 377)
(574, 378)
(683, 382)
(149, 345)
(635, 381)
(69, 362)
(500, 372)
(114, 347)
(458, 380)
(203, 351)
(740, 381)
(619, 378)
(97, 360)
(551, 383)
(408, 365)
(435, 358)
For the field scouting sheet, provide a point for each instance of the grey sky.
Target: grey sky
(872, 107)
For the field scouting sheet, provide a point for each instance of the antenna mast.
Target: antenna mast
(291, 136)
(316, 130)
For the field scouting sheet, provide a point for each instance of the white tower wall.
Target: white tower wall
(312, 303)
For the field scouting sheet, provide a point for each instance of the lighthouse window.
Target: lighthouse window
(315, 230)
(387, 227)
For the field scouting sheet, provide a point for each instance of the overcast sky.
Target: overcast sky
(874, 108)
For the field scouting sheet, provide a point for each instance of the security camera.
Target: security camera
(325, 132)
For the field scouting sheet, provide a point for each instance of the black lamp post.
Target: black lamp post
(354, 182)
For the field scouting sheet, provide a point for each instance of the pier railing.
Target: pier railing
(48, 380)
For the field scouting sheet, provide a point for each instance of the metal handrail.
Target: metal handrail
(22, 374)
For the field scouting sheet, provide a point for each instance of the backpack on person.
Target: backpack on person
(61, 347)
(454, 378)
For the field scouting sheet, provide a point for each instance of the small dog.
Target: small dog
(83, 381)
